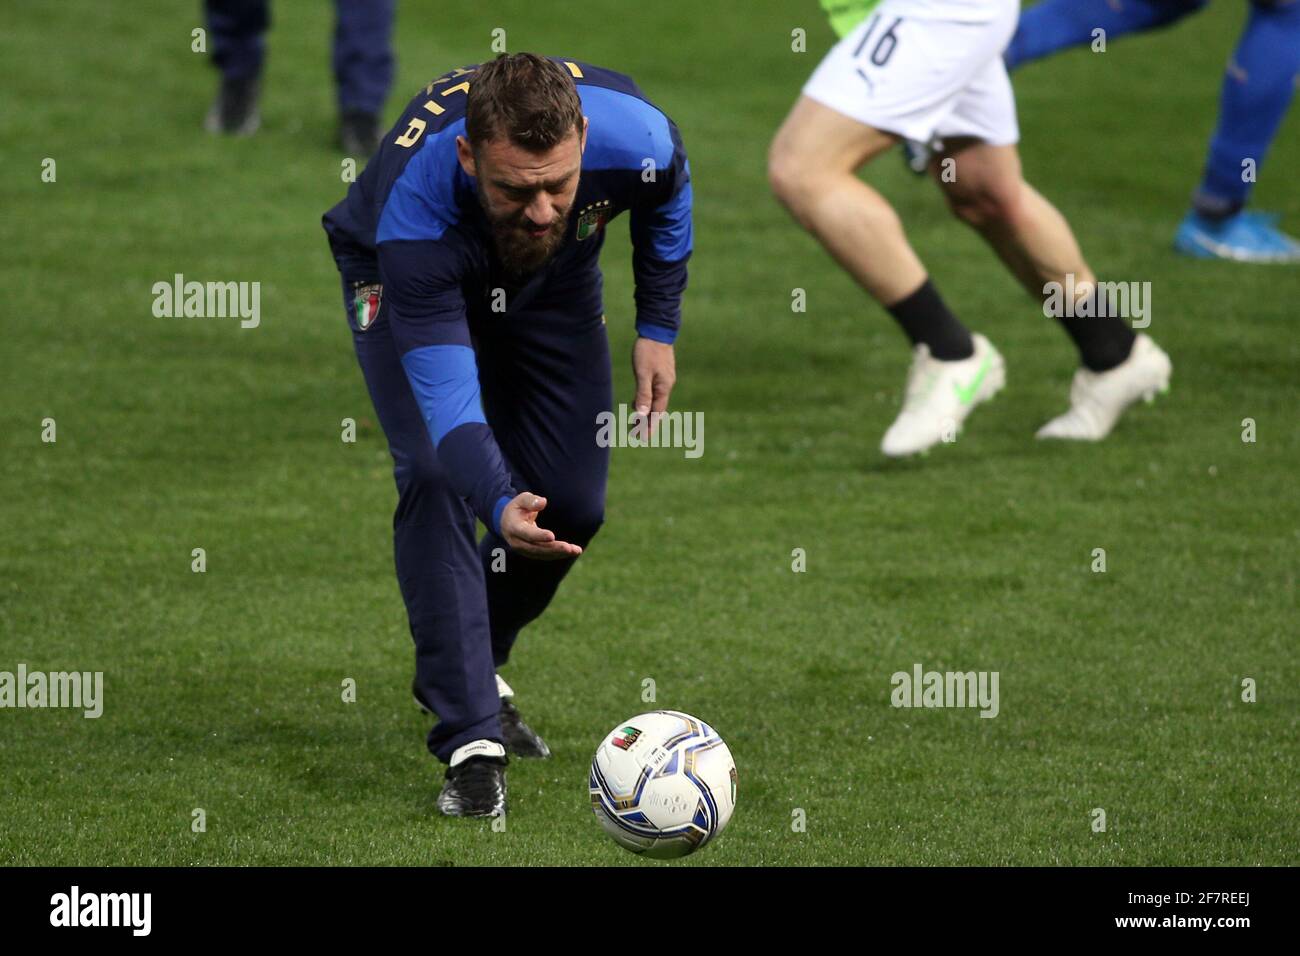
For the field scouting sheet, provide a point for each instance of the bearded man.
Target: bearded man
(469, 254)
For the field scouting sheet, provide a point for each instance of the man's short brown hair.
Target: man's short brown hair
(525, 98)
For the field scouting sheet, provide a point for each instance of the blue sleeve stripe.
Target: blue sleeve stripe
(625, 130)
(422, 201)
(445, 381)
(496, 512)
(656, 333)
(672, 235)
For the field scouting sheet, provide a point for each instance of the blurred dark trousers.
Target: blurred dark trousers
(363, 55)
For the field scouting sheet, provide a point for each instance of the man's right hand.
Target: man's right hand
(519, 528)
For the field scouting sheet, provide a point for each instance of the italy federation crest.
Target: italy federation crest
(626, 737)
(592, 219)
(365, 303)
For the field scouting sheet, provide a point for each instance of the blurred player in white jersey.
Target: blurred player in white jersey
(932, 71)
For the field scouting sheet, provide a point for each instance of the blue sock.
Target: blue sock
(1257, 90)
(1057, 24)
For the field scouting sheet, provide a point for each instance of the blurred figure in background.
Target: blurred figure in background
(363, 66)
(1257, 90)
(931, 71)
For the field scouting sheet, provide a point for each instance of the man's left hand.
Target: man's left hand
(655, 368)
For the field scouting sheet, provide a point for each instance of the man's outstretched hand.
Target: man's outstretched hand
(655, 368)
(519, 528)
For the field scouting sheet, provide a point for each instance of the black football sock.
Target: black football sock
(1103, 340)
(1216, 208)
(926, 319)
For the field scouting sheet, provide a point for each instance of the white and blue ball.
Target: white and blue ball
(663, 784)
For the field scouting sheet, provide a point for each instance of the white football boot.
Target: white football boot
(1097, 399)
(940, 395)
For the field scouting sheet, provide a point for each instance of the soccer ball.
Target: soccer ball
(663, 784)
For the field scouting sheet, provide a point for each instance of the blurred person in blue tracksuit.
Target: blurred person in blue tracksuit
(363, 66)
(1258, 87)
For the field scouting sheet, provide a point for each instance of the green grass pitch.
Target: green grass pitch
(1120, 691)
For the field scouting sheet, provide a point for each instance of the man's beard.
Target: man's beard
(520, 253)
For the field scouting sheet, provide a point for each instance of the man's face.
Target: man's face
(527, 196)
